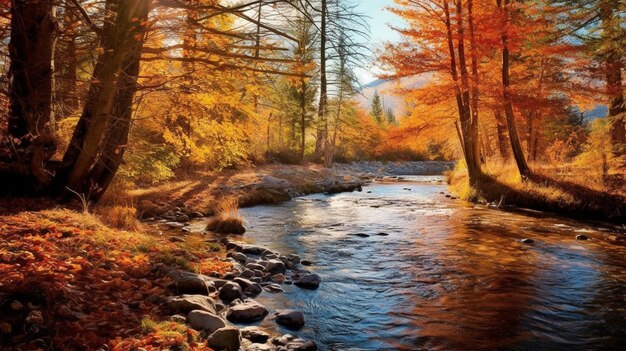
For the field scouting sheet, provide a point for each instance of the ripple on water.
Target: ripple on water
(449, 276)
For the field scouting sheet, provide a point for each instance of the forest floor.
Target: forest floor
(569, 191)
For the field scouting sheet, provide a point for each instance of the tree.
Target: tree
(390, 116)
(376, 108)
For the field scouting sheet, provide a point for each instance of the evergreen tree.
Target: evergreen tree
(376, 108)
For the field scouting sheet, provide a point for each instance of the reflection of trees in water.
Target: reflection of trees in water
(474, 287)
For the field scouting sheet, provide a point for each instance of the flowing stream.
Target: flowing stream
(448, 276)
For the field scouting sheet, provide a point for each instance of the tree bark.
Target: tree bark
(516, 145)
(30, 89)
(122, 41)
(322, 122)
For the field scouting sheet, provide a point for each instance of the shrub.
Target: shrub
(227, 220)
(120, 217)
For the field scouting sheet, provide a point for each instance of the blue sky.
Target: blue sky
(379, 20)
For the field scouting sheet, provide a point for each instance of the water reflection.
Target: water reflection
(448, 276)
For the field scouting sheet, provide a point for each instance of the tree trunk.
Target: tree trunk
(469, 127)
(503, 138)
(30, 89)
(122, 41)
(322, 126)
(614, 85)
(516, 146)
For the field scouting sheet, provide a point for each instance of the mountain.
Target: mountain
(385, 89)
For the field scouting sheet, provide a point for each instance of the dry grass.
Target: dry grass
(564, 189)
(227, 220)
(122, 217)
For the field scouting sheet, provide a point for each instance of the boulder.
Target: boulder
(248, 311)
(250, 288)
(308, 281)
(202, 320)
(275, 267)
(227, 338)
(231, 291)
(238, 256)
(278, 278)
(255, 335)
(290, 319)
(255, 267)
(191, 283)
(301, 345)
(247, 274)
(187, 303)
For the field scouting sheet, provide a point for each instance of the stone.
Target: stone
(273, 288)
(252, 250)
(249, 311)
(283, 340)
(227, 338)
(278, 278)
(250, 288)
(308, 281)
(275, 267)
(238, 256)
(306, 263)
(255, 267)
(362, 235)
(174, 225)
(290, 319)
(527, 241)
(255, 335)
(191, 283)
(231, 291)
(247, 274)
(383, 234)
(187, 303)
(301, 345)
(582, 237)
(202, 320)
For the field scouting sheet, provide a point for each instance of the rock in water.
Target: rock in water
(308, 281)
(527, 241)
(249, 311)
(227, 338)
(202, 320)
(290, 319)
(582, 237)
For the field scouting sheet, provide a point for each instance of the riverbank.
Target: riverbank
(201, 193)
(70, 282)
(583, 198)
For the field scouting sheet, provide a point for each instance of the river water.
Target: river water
(448, 276)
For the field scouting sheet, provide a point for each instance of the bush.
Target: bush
(285, 156)
(227, 220)
(120, 217)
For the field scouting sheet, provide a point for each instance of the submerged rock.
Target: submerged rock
(582, 237)
(527, 241)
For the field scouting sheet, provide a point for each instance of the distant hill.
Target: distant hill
(385, 90)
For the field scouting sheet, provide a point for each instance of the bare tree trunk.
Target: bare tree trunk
(30, 89)
(322, 127)
(516, 146)
(468, 125)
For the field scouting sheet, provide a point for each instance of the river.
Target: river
(448, 276)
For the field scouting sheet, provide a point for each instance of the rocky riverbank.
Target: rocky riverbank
(222, 306)
(182, 200)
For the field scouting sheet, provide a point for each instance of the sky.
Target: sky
(379, 20)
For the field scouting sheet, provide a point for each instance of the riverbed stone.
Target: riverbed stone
(238, 256)
(255, 335)
(308, 281)
(582, 237)
(249, 311)
(527, 241)
(278, 278)
(247, 274)
(227, 338)
(187, 303)
(254, 267)
(202, 320)
(191, 283)
(290, 319)
(231, 291)
(301, 345)
(275, 267)
(273, 288)
(306, 263)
